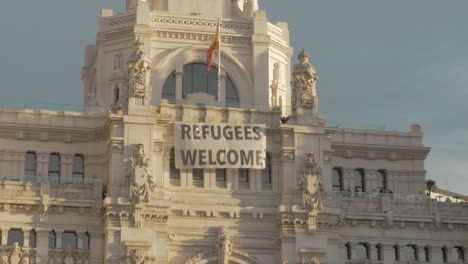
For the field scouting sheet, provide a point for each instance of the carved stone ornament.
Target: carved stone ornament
(139, 173)
(139, 76)
(224, 249)
(15, 254)
(44, 205)
(310, 186)
(304, 83)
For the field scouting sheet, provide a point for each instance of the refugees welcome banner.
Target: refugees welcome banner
(219, 146)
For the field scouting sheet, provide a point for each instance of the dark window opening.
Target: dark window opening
(220, 175)
(30, 166)
(337, 179)
(244, 175)
(174, 173)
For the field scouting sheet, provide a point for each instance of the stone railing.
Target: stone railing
(69, 256)
(16, 254)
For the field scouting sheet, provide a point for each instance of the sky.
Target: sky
(380, 63)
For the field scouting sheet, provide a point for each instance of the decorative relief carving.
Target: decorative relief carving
(200, 36)
(224, 249)
(310, 186)
(304, 82)
(139, 79)
(139, 173)
(139, 256)
(15, 254)
(206, 25)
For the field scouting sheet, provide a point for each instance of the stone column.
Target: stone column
(230, 179)
(42, 246)
(275, 172)
(348, 179)
(436, 254)
(421, 255)
(42, 160)
(235, 180)
(58, 241)
(112, 245)
(79, 240)
(26, 238)
(388, 254)
(253, 175)
(392, 181)
(116, 157)
(4, 236)
(97, 247)
(222, 89)
(66, 167)
(178, 83)
(166, 167)
(21, 158)
(370, 177)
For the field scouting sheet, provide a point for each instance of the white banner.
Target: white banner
(219, 146)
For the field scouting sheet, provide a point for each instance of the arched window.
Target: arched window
(116, 95)
(15, 236)
(266, 172)
(78, 167)
(359, 180)
(174, 173)
(52, 239)
(168, 91)
(195, 79)
(30, 168)
(396, 252)
(381, 181)
(337, 180)
(348, 250)
(32, 239)
(378, 248)
(54, 165)
(86, 241)
(362, 251)
(69, 239)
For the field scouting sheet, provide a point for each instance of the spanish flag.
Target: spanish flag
(211, 50)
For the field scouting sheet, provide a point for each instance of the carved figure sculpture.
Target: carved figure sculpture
(224, 246)
(310, 186)
(275, 85)
(314, 260)
(139, 172)
(304, 82)
(139, 70)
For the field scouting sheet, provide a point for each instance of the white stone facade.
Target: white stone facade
(68, 188)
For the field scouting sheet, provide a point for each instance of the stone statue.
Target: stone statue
(304, 82)
(314, 260)
(310, 186)
(275, 85)
(139, 173)
(139, 71)
(224, 246)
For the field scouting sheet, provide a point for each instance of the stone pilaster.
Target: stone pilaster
(42, 246)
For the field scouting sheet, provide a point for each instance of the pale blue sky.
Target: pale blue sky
(391, 62)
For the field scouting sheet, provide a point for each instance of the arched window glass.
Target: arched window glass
(232, 97)
(116, 95)
(15, 236)
(168, 91)
(359, 182)
(381, 181)
(69, 239)
(54, 165)
(78, 167)
(32, 239)
(196, 79)
(266, 172)
(30, 167)
(52, 239)
(86, 241)
(174, 173)
(337, 179)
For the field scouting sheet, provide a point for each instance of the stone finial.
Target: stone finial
(303, 55)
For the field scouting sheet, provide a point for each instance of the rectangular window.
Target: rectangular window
(381, 181)
(30, 164)
(15, 236)
(197, 174)
(220, 175)
(337, 179)
(266, 172)
(411, 253)
(54, 165)
(243, 175)
(86, 241)
(174, 173)
(359, 180)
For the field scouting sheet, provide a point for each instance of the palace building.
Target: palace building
(172, 164)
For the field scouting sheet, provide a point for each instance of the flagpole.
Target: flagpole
(219, 61)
